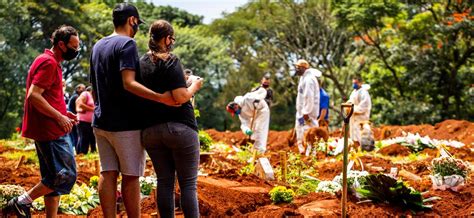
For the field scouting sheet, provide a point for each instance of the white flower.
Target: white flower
(328, 186)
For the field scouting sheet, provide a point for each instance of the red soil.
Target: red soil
(225, 193)
(395, 150)
(459, 130)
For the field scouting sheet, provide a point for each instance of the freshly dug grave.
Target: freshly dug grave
(459, 130)
(395, 150)
(225, 193)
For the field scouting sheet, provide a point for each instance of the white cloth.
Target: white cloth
(307, 103)
(250, 102)
(362, 105)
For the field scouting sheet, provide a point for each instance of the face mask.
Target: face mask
(355, 86)
(300, 71)
(237, 111)
(170, 47)
(265, 85)
(135, 29)
(70, 54)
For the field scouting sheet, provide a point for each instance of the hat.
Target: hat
(302, 63)
(230, 108)
(239, 100)
(126, 10)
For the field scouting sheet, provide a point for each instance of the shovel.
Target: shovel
(346, 113)
(254, 156)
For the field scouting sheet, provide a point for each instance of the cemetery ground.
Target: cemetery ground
(228, 184)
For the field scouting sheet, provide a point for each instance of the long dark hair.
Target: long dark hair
(159, 30)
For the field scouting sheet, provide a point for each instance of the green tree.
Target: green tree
(269, 36)
(14, 61)
(418, 57)
(206, 55)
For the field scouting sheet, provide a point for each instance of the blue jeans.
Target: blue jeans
(57, 164)
(174, 149)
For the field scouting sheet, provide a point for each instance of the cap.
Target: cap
(230, 108)
(302, 63)
(239, 100)
(126, 10)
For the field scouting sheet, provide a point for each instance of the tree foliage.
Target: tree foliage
(417, 56)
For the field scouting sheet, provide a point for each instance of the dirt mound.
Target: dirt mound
(25, 176)
(464, 153)
(459, 130)
(277, 140)
(395, 150)
(223, 198)
(232, 138)
(453, 203)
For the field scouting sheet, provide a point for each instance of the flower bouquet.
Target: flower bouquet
(329, 187)
(353, 182)
(448, 173)
(147, 184)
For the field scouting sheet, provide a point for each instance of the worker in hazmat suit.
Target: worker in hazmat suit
(307, 101)
(362, 105)
(254, 116)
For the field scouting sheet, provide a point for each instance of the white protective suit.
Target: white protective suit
(249, 103)
(307, 102)
(362, 104)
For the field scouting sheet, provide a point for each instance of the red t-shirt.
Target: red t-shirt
(45, 72)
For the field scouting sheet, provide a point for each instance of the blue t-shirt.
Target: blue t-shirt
(324, 102)
(115, 108)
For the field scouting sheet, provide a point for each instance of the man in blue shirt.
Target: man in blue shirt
(323, 103)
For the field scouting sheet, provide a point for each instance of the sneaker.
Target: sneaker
(21, 210)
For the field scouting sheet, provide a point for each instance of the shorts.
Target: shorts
(57, 164)
(121, 151)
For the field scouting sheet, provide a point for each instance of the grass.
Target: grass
(30, 156)
(403, 159)
(245, 153)
(89, 156)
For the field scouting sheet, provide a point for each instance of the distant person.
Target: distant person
(85, 111)
(66, 95)
(323, 103)
(114, 63)
(307, 101)
(362, 105)
(265, 84)
(71, 106)
(171, 137)
(46, 121)
(254, 116)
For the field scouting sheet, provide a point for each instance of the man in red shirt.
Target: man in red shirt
(46, 121)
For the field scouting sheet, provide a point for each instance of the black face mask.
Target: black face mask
(70, 54)
(265, 85)
(170, 47)
(135, 29)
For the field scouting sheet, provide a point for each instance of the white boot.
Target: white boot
(300, 148)
(308, 150)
